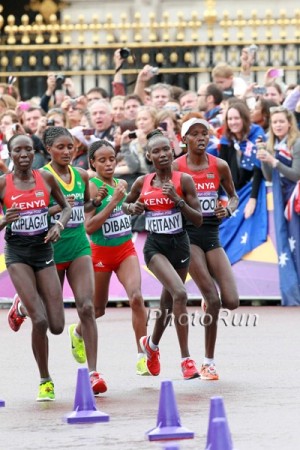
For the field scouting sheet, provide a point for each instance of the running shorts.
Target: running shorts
(175, 247)
(109, 259)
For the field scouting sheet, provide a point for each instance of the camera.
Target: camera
(73, 103)
(50, 123)
(125, 52)
(163, 125)
(59, 81)
(259, 90)
(88, 131)
(132, 135)
(253, 48)
(155, 70)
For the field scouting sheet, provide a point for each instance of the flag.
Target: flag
(240, 236)
(288, 249)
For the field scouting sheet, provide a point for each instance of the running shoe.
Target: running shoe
(77, 345)
(208, 372)
(152, 356)
(141, 367)
(189, 369)
(15, 320)
(46, 392)
(98, 384)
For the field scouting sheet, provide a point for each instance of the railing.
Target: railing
(184, 49)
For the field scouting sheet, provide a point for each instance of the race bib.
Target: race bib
(164, 222)
(117, 225)
(31, 223)
(208, 202)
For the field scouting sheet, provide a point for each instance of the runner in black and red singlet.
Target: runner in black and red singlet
(25, 196)
(168, 199)
(209, 262)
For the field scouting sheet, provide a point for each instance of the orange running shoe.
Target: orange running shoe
(15, 320)
(152, 356)
(98, 384)
(208, 372)
(189, 369)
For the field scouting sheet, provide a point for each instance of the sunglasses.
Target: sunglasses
(277, 109)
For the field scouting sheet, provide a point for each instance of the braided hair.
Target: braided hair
(95, 146)
(52, 133)
(10, 142)
(152, 135)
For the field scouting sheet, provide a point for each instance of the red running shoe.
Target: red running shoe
(98, 384)
(15, 320)
(152, 356)
(189, 369)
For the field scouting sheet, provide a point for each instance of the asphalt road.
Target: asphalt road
(259, 370)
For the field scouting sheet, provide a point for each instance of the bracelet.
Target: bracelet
(229, 212)
(95, 205)
(60, 224)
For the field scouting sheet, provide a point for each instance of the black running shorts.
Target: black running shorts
(175, 247)
(37, 256)
(206, 237)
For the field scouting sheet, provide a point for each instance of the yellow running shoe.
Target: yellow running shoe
(77, 345)
(46, 392)
(141, 367)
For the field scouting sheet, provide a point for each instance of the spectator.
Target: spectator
(117, 105)
(274, 92)
(32, 117)
(238, 149)
(261, 113)
(223, 77)
(280, 159)
(210, 98)
(170, 126)
(58, 116)
(102, 120)
(131, 104)
(96, 93)
(188, 101)
(160, 94)
(82, 142)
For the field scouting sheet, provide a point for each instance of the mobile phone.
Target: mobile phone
(88, 131)
(132, 135)
(163, 126)
(24, 106)
(50, 123)
(259, 90)
(275, 73)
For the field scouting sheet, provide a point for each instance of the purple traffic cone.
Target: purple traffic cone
(85, 410)
(220, 438)
(168, 424)
(217, 410)
(2, 403)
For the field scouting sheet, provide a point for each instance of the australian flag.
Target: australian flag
(240, 236)
(287, 240)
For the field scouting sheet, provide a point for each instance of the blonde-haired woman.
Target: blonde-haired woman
(280, 158)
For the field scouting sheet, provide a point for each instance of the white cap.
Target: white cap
(78, 134)
(194, 121)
